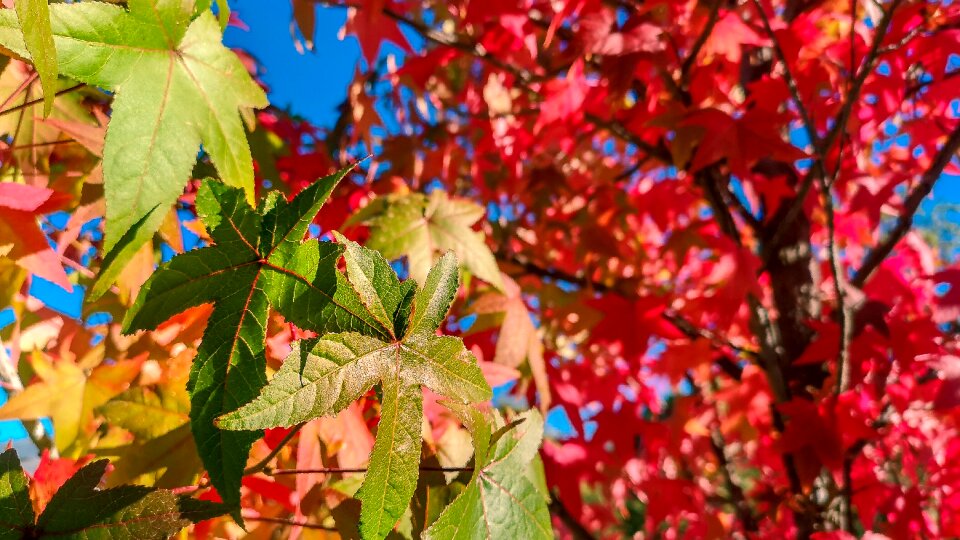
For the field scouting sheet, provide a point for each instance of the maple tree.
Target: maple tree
(614, 268)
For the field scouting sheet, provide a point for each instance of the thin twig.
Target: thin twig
(40, 144)
(844, 312)
(354, 470)
(290, 522)
(702, 38)
(262, 464)
(905, 221)
(33, 102)
(853, 96)
(19, 90)
(791, 81)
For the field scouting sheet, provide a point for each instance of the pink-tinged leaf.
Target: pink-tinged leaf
(22, 241)
(34, 199)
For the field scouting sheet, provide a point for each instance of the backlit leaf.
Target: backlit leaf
(256, 260)
(322, 377)
(175, 85)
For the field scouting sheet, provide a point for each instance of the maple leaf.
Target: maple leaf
(602, 35)
(371, 26)
(79, 510)
(257, 260)
(163, 453)
(34, 18)
(421, 227)
(16, 512)
(519, 339)
(742, 140)
(729, 35)
(21, 238)
(175, 85)
(500, 501)
(67, 393)
(322, 377)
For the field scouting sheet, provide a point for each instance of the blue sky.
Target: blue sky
(310, 84)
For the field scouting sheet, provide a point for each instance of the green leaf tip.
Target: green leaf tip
(501, 501)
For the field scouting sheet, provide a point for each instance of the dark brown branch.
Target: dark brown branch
(910, 207)
(691, 58)
(853, 95)
(743, 511)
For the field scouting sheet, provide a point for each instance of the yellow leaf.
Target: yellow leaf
(66, 395)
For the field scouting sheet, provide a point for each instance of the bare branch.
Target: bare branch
(691, 58)
(910, 206)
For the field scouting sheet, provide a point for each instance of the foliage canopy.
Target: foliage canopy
(616, 269)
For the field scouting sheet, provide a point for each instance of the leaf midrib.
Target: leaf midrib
(428, 360)
(332, 299)
(233, 350)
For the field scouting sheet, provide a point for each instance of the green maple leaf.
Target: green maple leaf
(16, 511)
(81, 511)
(322, 377)
(34, 19)
(258, 260)
(175, 86)
(421, 227)
(500, 501)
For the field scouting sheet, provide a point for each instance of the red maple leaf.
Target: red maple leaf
(371, 25)
(21, 238)
(742, 140)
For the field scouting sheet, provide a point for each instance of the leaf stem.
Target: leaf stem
(350, 470)
(33, 102)
(261, 465)
(290, 522)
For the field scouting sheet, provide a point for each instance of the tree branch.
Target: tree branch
(910, 206)
(853, 95)
(628, 291)
(791, 82)
(702, 38)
